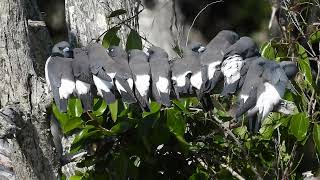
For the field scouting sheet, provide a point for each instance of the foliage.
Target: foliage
(183, 142)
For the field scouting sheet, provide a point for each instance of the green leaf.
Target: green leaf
(201, 175)
(133, 40)
(117, 12)
(120, 127)
(75, 177)
(111, 38)
(241, 131)
(299, 125)
(154, 108)
(99, 107)
(304, 65)
(75, 107)
(268, 51)
(315, 37)
(176, 122)
(67, 123)
(316, 136)
(113, 108)
(79, 141)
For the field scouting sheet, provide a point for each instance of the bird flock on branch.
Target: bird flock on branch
(137, 77)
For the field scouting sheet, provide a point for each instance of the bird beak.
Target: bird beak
(108, 51)
(201, 49)
(66, 49)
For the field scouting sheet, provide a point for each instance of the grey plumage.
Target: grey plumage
(140, 68)
(264, 86)
(160, 75)
(59, 74)
(101, 66)
(212, 58)
(233, 62)
(124, 83)
(83, 78)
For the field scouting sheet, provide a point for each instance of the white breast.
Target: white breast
(212, 67)
(180, 79)
(163, 85)
(67, 88)
(196, 80)
(142, 84)
(102, 85)
(231, 68)
(82, 87)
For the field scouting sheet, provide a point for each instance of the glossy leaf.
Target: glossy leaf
(120, 127)
(75, 177)
(299, 125)
(117, 12)
(111, 38)
(314, 37)
(176, 122)
(268, 51)
(86, 133)
(304, 65)
(134, 40)
(113, 108)
(316, 136)
(154, 108)
(99, 107)
(75, 107)
(67, 123)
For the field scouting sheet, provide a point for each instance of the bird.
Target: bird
(140, 68)
(124, 80)
(263, 89)
(186, 71)
(160, 75)
(103, 72)
(234, 60)
(83, 77)
(59, 74)
(211, 58)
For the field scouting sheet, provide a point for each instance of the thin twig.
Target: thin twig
(194, 20)
(233, 172)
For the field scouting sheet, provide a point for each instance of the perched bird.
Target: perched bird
(211, 58)
(124, 81)
(160, 75)
(140, 68)
(263, 88)
(186, 72)
(83, 77)
(101, 67)
(59, 76)
(233, 62)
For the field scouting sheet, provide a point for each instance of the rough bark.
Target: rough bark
(23, 98)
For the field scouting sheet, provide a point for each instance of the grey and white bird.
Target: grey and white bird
(124, 83)
(103, 71)
(59, 75)
(83, 77)
(211, 59)
(234, 60)
(140, 68)
(160, 75)
(263, 89)
(186, 72)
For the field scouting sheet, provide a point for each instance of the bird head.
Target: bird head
(138, 54)
(290, 68)
(115, 51)
(193, 48)
(63, 49)
(245, 47)
(157, 51)
(228, 35)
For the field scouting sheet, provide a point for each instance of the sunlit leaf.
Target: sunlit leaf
(67, 123)
(99, 107)
(176, 122)
(299, 125)
(268, 51)
(314, 37)
(241, 131)
(75, 177)
(80, 139)
(113, 108)
(134, 40)
(75, 107)
(117, 12)
(304, 65)
(111, 38)
(316, 136)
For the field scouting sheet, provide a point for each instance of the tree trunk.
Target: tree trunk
(26, 146)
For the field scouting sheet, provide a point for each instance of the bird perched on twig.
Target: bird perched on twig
(160, 73)
(263, 89)
(234, 60)
(59, 76)
(140, 68)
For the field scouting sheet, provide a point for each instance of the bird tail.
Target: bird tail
(165, 99)
(127, 95)
(109, 97)
(87, 101)
(209, 85)
(142, 100)
(62, 104)
(250, 103)
(205, 101)
(229, 89)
